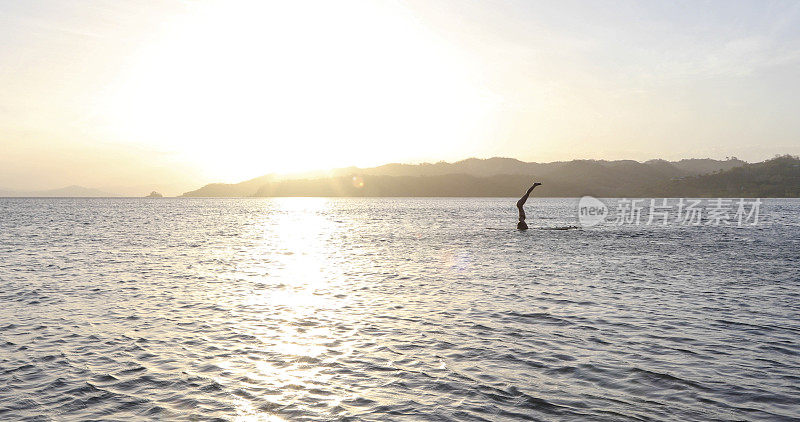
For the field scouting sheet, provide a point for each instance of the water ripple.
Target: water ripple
(398, 309)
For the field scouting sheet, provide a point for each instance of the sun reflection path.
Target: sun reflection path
(292, 316)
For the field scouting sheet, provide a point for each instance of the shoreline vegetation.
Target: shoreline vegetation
(778, 177)
(503, 177)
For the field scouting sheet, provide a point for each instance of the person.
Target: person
(521, 225)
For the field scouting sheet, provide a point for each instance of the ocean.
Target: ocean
(392, 309)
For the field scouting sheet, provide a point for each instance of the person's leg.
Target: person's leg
(521, 203)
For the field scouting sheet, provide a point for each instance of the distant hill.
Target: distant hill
(509, 166)
(66, 192)
(246, 188)
(477, 177)
(696, 166)
(779, 177)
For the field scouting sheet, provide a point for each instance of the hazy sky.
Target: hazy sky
(180, 93)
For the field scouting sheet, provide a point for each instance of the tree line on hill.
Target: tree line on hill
(505, 177)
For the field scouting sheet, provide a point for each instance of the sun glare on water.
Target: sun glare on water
(243, 88)
(295, 268)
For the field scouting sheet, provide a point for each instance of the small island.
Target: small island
(154, 194)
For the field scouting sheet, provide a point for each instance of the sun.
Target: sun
(244, 88)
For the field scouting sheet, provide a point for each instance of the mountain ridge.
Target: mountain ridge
(569, 178)
(71, 191)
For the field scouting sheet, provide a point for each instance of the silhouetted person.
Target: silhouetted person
(521, 225)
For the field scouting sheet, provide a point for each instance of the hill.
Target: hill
(246, 188)
(476, 177)
(779, 177)
(65, 192)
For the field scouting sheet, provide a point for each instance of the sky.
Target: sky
(173, 94)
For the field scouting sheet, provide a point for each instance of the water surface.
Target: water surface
(391, 309)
